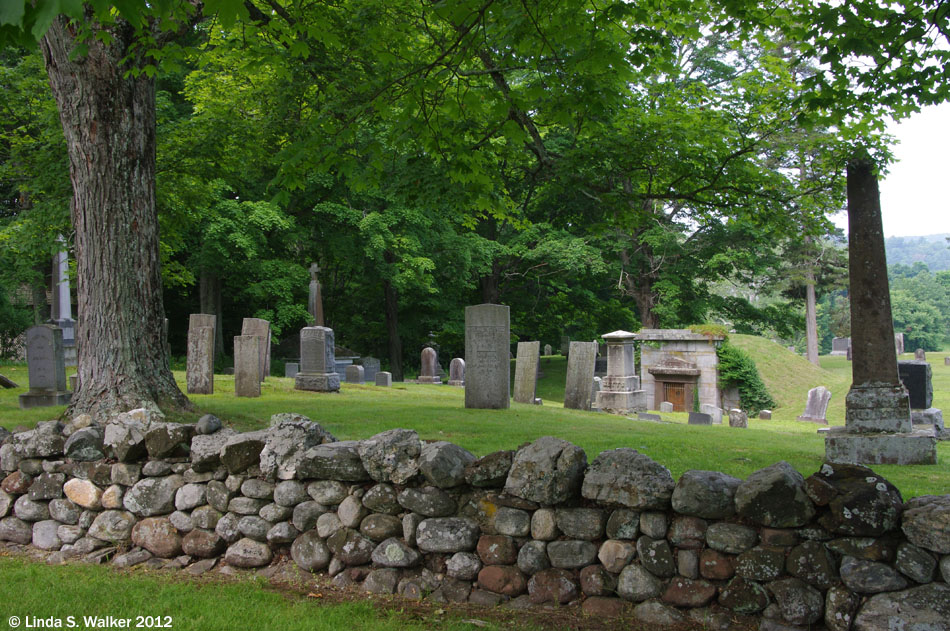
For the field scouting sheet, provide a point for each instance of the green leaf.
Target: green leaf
(46, 12)
(12, 12)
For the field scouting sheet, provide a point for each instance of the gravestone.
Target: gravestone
(816, 406)
(730, 398)
(849, 353)
(645, 416)
(457, 372)
(354, 374)
(920, 355)
(580, 374)
(526, 372)
(61, 307)
(261, 329)
(370, 368)
(917, 377)
(620, 392)
(315, 299)
(199, 370)
(839, 345)
(247, 365)
(714, 412)
(666, 406)
(547, 349)
(384, 378)
(430, 366)
(565, 345)
(765, 415)
(317, 361)
(487, 347)
(46, 368)
(738, 418)
(700, 418)
(946, 361)
(899, 343)
(291, 369)
(6, 382)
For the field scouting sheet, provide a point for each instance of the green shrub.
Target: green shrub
(736, 368)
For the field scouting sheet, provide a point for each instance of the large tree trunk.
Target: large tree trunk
(640, 288)
(209, 297)
(811, 319)
(392, 328)
(490, 285)
(109, 124)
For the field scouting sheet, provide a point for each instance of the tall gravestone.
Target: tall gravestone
(46, 368)
(878, 427)
(899, 343)
(457, 372)
(917, 377)
(261, 329)
(526, 372)
(816, 406)
(547, 350)
(580, 375)
(315, 299)
(317, 361)
(620, 389)
(487, 347)
(199, 371)
(429, 372)
(712, 411)
(370, 368)
(61, 312)
(247, 365)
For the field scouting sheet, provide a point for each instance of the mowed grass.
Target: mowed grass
(439, 413)
(34, 589)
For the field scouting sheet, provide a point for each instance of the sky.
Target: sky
(914, 194)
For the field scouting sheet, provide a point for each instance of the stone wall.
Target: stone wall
(538, 525)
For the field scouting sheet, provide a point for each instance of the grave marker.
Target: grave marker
(354, 374)
(714, 412)
(487, 347)
(620, 389)
(384, 378)
(430, 366)
(291, 369)
(457, 372)
(920, 355)
(700, 418)
(581, 357)
(666, 406)
(370, 368)
(317, 361)
(261, 329)
(46, 368)
(526, 372)
(547, 349)
(917, 377)
(199, 370)
(816, 405)
(247, 365)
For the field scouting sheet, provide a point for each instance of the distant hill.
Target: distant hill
(930, 249)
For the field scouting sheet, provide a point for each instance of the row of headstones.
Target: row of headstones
(251, 355)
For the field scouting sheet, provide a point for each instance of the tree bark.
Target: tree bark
(109, 124)
(811, 319)
(490, 285)
(640, 288)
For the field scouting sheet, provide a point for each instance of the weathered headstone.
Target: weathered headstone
(247, 365)
(370, 368)
(946, 361)
(700, 418)
(666, 406)
(317, 361)
(620, 392)
(261, 329)
(487, 367)
(930, 416)
(878, 427)
(526, 372)
(384, 378)
(816, 406)
(765, 415)
(457, 372)
(917, 377)
(547, 349)
(354, 374)
(46, 368)
(291, 369)
(429, 373)
(714, 412)
(580, 374)
(920, 355)
(61, 307)
(899, 343)
(595, 387)
(738, 418)
(840, 345)
(646, 416)
(6, 382)
(199, 370)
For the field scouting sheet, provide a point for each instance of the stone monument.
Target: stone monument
(247, 365)
(738, 418)
(291, 369)
(620, 391)
(816, 406)
(315, 298)
(580, 375)
(429, 373)
(199, 370)
(920, 355)
(260, 328)
(878, 427)
(526, 373)
(547, 350)
(840, 345)
(699, 418)
(917, 377)
(46, 368)
(899, 343)
(317, 362)
(457, 372)
(61, 309)
(384, 378)
(683, 370)
(370, 368)
(487, 347)
(714, 412)
(354, 374)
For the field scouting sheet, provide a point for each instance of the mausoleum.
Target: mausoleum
(679, 366)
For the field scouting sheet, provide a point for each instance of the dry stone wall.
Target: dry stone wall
(540, 525)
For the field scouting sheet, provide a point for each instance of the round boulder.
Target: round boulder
(628, 478)
(775, 496)
(706, 494)
(158, 536)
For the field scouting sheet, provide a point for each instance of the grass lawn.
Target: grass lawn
(438, 412)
